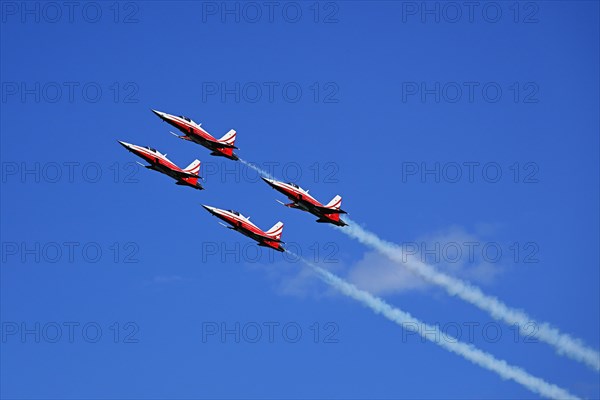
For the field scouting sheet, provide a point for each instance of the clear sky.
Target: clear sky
(442, 126)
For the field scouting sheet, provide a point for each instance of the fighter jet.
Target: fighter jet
(159, 162)
(300, 198)
(195, 133)
(238, 222)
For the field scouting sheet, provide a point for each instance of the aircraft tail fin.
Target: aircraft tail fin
(335, 203)
(275, 231)
(193, 168)
(331, 212)
(229, 138)
(227, 145)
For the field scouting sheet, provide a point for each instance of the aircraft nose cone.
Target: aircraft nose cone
(160, 114)
(208, 208)
(269, 181)
(124, 144)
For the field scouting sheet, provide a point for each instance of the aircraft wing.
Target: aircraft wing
(214, 143)
(259, 237)
(326, 210)
(253, 235)
(221, 145)
(182, 174)
(320, 209)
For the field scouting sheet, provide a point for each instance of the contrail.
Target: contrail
(467, 351)
(564, 343)
(257, 169)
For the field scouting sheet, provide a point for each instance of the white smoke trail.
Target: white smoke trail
(467, 351)
(257, 169)
(564, 343)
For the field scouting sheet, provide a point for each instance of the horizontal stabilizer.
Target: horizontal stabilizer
(225, 152)
(224, 145)
(337, 222)
(183, 174)
(278, 248)
(326, 210)
(193, 185)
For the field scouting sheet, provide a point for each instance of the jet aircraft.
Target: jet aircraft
(242, 224)
(329, 213)
(159, 162)
(193, 132)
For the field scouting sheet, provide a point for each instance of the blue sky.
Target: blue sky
(365, 124)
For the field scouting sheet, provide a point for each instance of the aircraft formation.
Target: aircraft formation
(223, 147)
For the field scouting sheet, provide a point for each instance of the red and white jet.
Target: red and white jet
(195, 133)
(159, 162)
(300, 198)
(238, 222)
